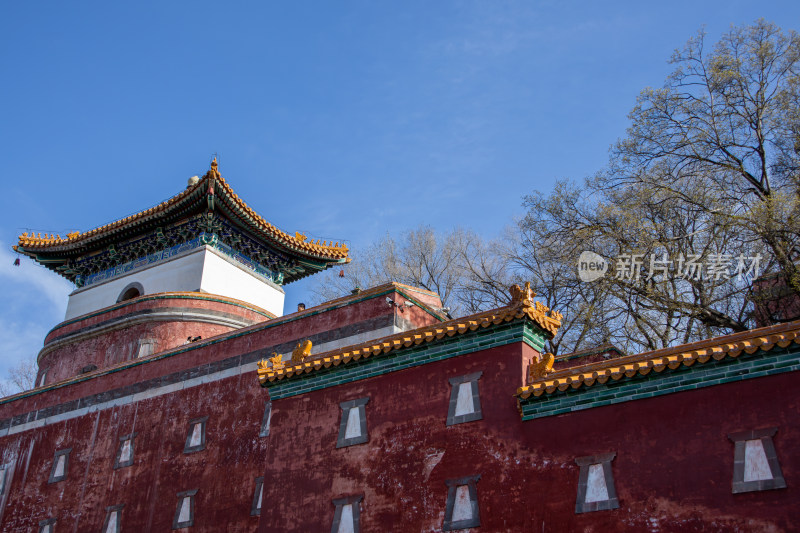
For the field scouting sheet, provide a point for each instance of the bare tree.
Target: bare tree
(418, 257)
(21, 377)
(707, 173)
(728, 116)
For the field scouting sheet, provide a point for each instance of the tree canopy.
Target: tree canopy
(699, 197)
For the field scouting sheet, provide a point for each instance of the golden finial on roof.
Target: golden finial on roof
(214, 171)
(73, 234)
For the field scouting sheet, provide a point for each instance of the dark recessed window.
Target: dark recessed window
(125, 451)
(113, 519)
(131, 291)
(755, 463)
(47, 526)
(461, 510)
(196, 438)
(255, 509)
(596, 491)
(353, 425)
(465, 401)
(60, 466)
(347, 516)
(184, 513)
(265, 420)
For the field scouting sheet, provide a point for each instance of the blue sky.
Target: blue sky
(344, 120)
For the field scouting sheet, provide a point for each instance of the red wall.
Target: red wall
(673, 469)
(224, 472)
(107, 348)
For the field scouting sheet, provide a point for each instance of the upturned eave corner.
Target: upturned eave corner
(521, 307)
(210, 198)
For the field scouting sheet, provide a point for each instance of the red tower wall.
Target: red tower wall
(673, 465)
(113, 335)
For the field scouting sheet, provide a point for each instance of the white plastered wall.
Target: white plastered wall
(203, 269)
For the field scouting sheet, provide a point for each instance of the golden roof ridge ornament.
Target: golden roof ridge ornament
(522, 300)
(213, 172)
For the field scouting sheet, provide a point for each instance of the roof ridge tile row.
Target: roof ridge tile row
(521, 306)
(730, 346)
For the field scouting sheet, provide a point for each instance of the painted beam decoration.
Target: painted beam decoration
(207, 213)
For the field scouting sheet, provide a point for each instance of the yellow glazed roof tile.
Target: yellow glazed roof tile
(214, 184)
(521, 306)
(657, 361)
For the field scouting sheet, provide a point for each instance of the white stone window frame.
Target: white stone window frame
(455, 384)
(360, 406)
(47, 525)
(125, 438)
(266, 419)
(189, 448)
(604, 459)
(42, 379)
(176, 523)
(258, 495)
(355, 502)
(739, 440)
(53, 477)
(452, 489)
(111, 510)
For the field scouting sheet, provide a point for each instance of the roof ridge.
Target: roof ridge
(520, 306)
(717, 348)
(190, 199)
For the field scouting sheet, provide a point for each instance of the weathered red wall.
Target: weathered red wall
(673, 469)
(260, 338)
(90, 344)
(224, 472)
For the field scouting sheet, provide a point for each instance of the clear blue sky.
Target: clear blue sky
(343, 120)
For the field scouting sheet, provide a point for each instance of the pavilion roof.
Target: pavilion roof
(211, 194)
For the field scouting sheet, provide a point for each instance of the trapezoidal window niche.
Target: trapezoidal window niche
(146, 348)
(60, 466)
(755, 463)
(265, 420)
(113, 521)
(196, 438)
(347, 515)
(3, 476)
(461, 510)
(124, 451)
(184, 513)
(465, 401)
(258, 494)
(596, 491)
(353, 425)
(47, 526)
